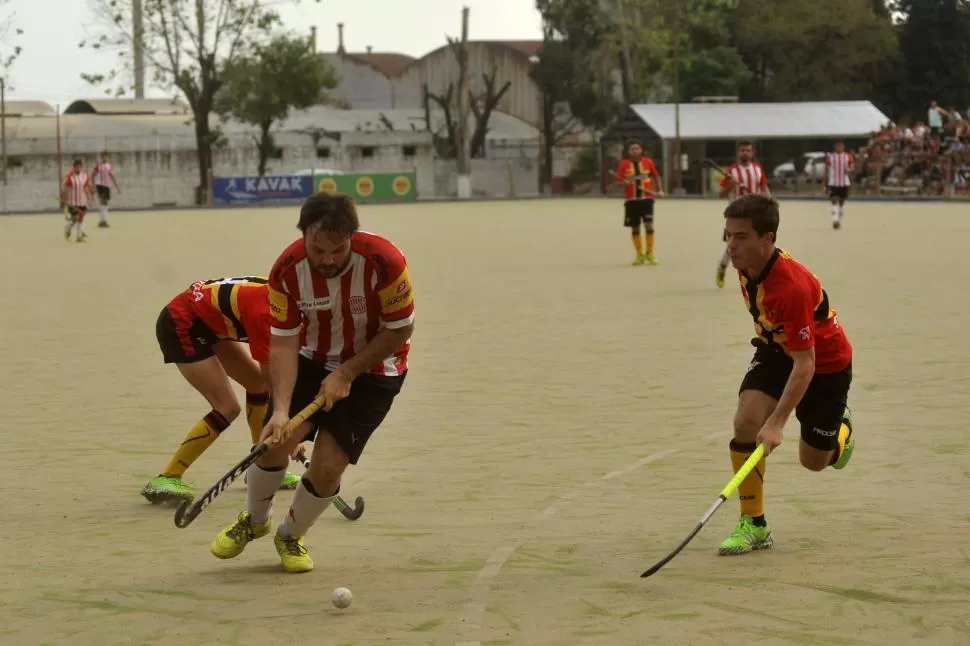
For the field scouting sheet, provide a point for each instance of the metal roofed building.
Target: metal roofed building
(779, 131)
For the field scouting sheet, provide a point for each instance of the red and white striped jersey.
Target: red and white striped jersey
(838, 166)
(102, 173)
(77, 185)
(339, 316)
(750, 178)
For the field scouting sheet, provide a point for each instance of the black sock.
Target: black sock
(759, 521)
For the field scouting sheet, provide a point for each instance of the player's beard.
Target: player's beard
(331, 271)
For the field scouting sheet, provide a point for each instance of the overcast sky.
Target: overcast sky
(49, 68)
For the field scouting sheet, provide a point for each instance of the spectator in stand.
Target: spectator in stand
(934, 116)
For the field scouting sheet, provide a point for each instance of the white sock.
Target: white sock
(304, 511)
(104, 212)
(261, 487)
(725, 261)
(80, 228)
(841, 212)
(68, 227)
(835, 212)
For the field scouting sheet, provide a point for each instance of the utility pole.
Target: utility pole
(677, 177)
(464, 172)
(138, 42)
(3, 127)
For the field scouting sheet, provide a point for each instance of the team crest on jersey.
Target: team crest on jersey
(358, 305)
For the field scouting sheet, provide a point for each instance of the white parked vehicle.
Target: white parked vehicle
(812, 168)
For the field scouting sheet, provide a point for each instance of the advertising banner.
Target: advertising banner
(277, 189)
(367, 188)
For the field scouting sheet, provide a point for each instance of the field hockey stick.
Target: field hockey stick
(710, 164)
(726, 492)
(631, 178)
(189, 511)
(350, 513)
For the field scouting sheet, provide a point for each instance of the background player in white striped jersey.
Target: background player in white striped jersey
(76, 192)
(838, 166)
(745, 177)
(104, 171)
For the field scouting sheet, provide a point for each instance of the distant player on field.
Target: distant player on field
(103, 172)
(838, 168)
(637, 173)
(745, 177)
(76, 193)
(204, 332)
(802, 363)
(343, 313)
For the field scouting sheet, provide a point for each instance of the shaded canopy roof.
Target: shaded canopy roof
(815, 119)
(127, 106)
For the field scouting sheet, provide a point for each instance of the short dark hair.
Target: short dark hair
(744, 142)
(760, 209)
(331, 212)
(630, 143)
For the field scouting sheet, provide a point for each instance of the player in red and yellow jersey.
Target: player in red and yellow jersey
(343, 313)
(637, 174)
(204, 331)
(802, 364)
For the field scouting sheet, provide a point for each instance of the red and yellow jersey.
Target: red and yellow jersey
(637, 190)
(791, 312)
(235, 309)
(338, 316)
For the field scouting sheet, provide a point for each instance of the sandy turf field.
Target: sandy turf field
(564, 424)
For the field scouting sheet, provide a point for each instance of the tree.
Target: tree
(552, 73)
(710, 63)
(934, 40)
(482, 107)
(261, 88)
(823, 50)
(188, 44)
(585, 61)
(445, 146)
(10, 34)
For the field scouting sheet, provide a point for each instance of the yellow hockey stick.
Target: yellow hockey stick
(726, 492)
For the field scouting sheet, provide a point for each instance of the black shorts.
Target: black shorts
(353, 420)
(75, 211)
(184, 339)
(636, 211)
(104, 193)
(841, 192)
(820, 411)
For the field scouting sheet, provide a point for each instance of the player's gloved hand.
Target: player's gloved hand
(275, 428)
(334, 388)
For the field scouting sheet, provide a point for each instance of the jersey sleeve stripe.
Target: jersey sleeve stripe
(396, 325)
